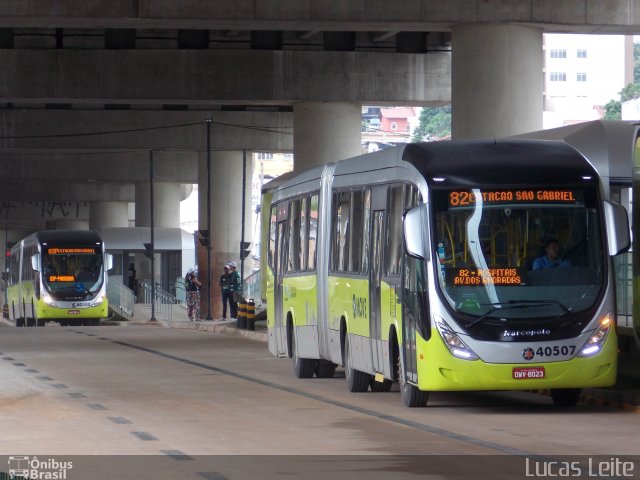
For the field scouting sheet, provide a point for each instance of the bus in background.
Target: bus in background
(58, 275)
(416, 264)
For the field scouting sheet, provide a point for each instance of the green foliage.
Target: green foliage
(613, 110)
(433, 122)
(630, 92)
(636, 62)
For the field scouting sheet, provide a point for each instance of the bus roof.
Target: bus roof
(500, 161)
(68, 237)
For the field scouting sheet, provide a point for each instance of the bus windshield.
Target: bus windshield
(518, 253)
(72, 270)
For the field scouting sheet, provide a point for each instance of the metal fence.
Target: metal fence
(251, 288)
(121, 298)
(164, 301)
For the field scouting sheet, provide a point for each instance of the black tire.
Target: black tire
(40, 322)
(411, 395)
(383, 386)
(357, 381)
(325, 369)
(565, 397)
(302, 367)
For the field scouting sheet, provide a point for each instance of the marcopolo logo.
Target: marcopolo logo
(32, 468)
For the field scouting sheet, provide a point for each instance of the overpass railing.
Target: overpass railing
(120, 297)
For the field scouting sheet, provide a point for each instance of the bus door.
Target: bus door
(375, 279)
(279, 264)
(377, 204)
(413, 309)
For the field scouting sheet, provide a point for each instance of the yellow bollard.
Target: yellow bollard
(251, 314)
(242, 314)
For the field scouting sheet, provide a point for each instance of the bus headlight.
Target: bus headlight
(46, 298)
(453, 342)
(99, 299)
(597, 338)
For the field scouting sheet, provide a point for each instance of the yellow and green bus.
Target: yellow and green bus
(58, 275)
(417, 265)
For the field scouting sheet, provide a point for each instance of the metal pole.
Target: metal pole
(153, 272)
(209, 220)
(244, 188)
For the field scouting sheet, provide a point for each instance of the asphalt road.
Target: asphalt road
(155, 402)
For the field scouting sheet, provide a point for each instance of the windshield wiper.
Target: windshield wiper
(514, 304)
(545, 302)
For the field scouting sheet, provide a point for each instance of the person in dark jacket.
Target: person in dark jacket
(227, 293)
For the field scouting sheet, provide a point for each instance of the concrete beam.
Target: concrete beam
(61, 191)
(125, 167)
(258, 131)
(223, 76)
(603, 16)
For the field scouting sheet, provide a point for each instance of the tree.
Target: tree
(636, 62)
(613, 110)
(433, 122)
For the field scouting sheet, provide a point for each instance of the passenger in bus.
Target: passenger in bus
(551, 257)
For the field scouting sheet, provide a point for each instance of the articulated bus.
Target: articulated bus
(58, 275)
(416, 265)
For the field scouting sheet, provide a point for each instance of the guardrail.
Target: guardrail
(164, 301)
(121, 298)
(251, 287)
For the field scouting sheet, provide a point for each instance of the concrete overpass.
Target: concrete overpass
(298, 69)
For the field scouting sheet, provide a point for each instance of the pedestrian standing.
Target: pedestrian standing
(236, 288)
(132, 277)
(192, 286)
(227, 293)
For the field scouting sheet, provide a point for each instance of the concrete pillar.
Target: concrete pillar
(226, 219)
(108, 214)
(496, 80)
(325, 132)
(166, 205)
(166, 214)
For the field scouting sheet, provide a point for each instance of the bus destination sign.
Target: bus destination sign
(71, 251)
(472, 277)
(461, 198)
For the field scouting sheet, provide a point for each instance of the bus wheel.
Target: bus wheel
(565, 397)
(302, 367)
(40, 322)
(357, 381)
(383, 386)
(325, 369)
(412, 396)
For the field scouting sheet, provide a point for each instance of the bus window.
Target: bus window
(272, 236)
(313, 231)
(304, 226)
(294, 237)
(340, 231)
(366, 230)
(357, 217)
(394, 230)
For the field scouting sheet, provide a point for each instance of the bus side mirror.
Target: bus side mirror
(415, 237)
(617, 222)
(35, 262)
(109, 260)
